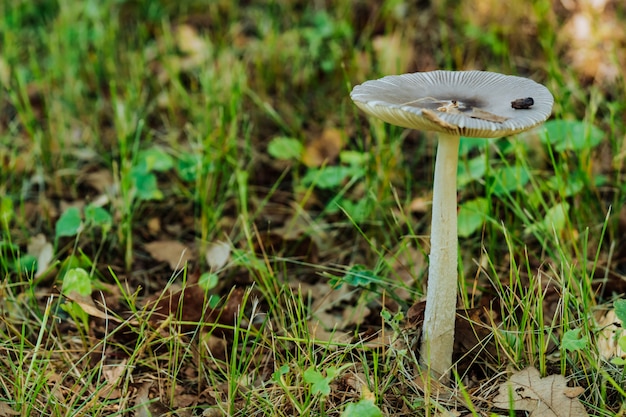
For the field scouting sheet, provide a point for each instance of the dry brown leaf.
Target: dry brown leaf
(573, 392)
(113, 375)
(448, 413)
(7, 411)
(323, 149)
(171, 251)
(543, 397)
(149, 407)
(89, 307)
(609, 334)
(485, 115)
(474, 113)
(101, 180)
(420, 205)
(154, 225)
(432, 116)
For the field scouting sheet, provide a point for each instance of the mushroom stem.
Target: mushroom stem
(439, 317)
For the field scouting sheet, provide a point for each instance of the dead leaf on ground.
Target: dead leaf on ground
(420, 205)
(608, 335)
(100, 180)
(328, 321)
(543, 397)
(7, 411)
(171, 251)
(113, 374)
(89, 307)
(323, 149)
(149, 407)
(473, 329)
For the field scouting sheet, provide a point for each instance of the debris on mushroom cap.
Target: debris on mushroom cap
(522, 103)
(468, 103)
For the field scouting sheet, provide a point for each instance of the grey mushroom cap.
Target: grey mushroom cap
(466, 103)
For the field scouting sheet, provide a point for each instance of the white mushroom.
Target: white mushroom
(453, 103)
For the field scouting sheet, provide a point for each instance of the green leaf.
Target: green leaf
(620, 310)
(77, 281)
(6, 210)
(69, 224)
(508, 179)
(187, 167)
(472, 216)
(285, 148)
(25, 264)
(472, 170)
(154, 159)
(621, 342)
(332, 176)
(571, 135)
(360, 276)
(319, 384)
(364, 408)
(572, 340)
(146, 185)
(468, 144)
(359, 211)
(97, 216)
(354, 158)
(572, 186)
(555, 219)
(280, 372)
(208, 281)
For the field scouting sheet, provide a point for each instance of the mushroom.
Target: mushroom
(454, 104)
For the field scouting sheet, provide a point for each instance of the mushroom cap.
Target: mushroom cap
(467, 103)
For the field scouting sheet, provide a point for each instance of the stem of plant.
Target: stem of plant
(441, 297)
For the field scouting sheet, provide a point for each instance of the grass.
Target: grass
(155, 121)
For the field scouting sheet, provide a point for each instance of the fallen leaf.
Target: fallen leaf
(101, 180)
(7, 411)
(89, 307)
(543, 397)
(154, 225)
(113, 374)
(608, 335)
(323, 149)
(171, 251)
(420, 205)
(149, 407)
(432, 116)
(485, 115)
(573, 392)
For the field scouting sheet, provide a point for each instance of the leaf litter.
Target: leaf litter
(344, 314)
(542, 397)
